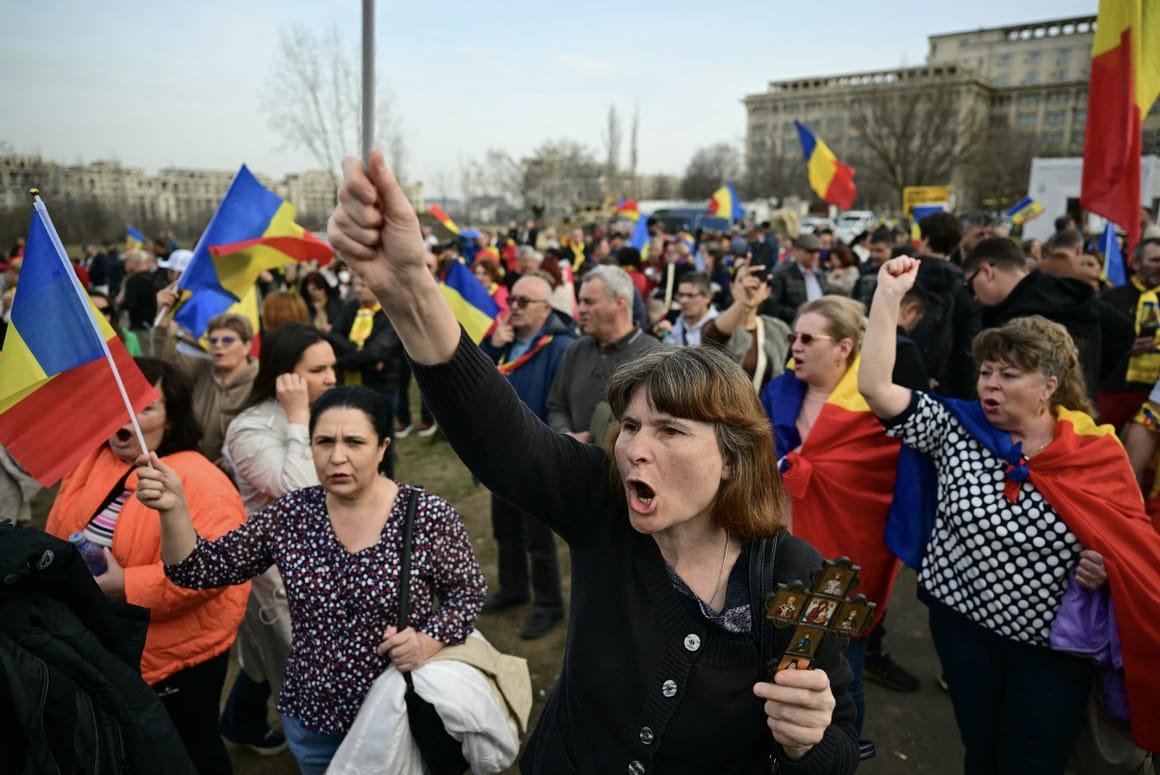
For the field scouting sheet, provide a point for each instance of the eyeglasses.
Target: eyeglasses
(969, 280)
(524, 301)
(106, 311)
(807, 339)
(224, 341)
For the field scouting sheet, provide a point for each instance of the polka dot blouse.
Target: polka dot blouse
(1002, 565)
(341, 603)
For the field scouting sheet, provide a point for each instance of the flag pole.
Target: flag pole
(368, 78)
(38, 205)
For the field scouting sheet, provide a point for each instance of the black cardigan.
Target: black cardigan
(644, 686)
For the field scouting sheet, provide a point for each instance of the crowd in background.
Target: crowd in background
(576, 301)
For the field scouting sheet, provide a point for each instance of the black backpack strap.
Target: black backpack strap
(763, 552)
(405, 566)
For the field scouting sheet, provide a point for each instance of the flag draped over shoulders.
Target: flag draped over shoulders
(841, 480)
(1085, 476)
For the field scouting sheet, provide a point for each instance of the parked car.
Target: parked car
(852, 223)
(691, 218)
(811, 223)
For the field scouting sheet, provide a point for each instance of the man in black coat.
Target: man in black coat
(996, 272)
(1126, 386)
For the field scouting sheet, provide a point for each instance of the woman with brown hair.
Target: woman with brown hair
(661, 669)
(1025, 496)
(279, 307)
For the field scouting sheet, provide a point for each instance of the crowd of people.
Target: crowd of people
(666, 411)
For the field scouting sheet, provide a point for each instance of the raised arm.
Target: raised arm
(376, 231)
(875, 380)
(749, 291)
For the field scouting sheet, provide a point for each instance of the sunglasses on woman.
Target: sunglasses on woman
(807, 339)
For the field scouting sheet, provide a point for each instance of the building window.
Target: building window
(1026, 119)
(1004, 60)
(1058, 98)
(1059, 75)
(757, 129)
(1032, 57)
(1055, 117)
(1053, 138)
(1028, 100)
(1081, 116)
(813, 107)
(1003, 80)
(1063, 56)
(1031, 79)
(834, 124)
(1077, 138)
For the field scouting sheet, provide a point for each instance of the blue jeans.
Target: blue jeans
(856, 656)
(1018, 707)
(312, 750)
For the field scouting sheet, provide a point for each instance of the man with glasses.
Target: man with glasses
(996, 273)
(694, 295)
(528, 347)
(798, 281)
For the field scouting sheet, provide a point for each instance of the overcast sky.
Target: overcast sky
(179, 83)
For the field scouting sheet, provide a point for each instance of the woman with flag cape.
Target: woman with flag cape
(833, 454)
(1020, 502)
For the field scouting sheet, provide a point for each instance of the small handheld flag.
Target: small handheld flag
(443, 218)
(253, 230)
(1026, 209)
(55, 350)
(134, 239)
(1114, 270)
(725, 204)
(474, 308)
(629, 209)
(829, 178)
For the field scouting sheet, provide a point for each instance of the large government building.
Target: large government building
(1029, 77)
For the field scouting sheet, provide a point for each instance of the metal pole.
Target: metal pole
(368, 78)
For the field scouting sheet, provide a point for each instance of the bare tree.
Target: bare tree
(997, 177)
(773, 170)
(503, 176)
(633, 187)
(709, 168)
(917, 137)
(561, 175)
(611, 140)
(313, 95)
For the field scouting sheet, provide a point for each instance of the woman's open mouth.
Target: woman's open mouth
(123, 435)
(641, 497)
(990, 404)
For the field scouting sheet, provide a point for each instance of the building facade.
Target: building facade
(1028, 78)
(176, 197)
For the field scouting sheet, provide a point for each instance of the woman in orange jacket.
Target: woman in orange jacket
(190, 633)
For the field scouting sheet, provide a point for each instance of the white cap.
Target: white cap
(178, 260)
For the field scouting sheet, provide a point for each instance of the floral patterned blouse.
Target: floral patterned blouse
(341, 603)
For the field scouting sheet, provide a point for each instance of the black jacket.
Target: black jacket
(643, 679)
(377, 360)
(71, 694)
(948, 327)
(1071, 303)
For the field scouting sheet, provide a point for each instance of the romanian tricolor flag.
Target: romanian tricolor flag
(443, 218)
(469, 300)
(829, 178)
(1077, 473)
(57, 353)
(252, 231)
(629, 209)
(1125, 81)
(134, 239)
(725, 204)
(1026, 209)
(846, 459)
(640, 235)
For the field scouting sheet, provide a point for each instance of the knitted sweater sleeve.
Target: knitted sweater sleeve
(557, 479)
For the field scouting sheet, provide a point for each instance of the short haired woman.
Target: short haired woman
(660, 662)
(1028, 493)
